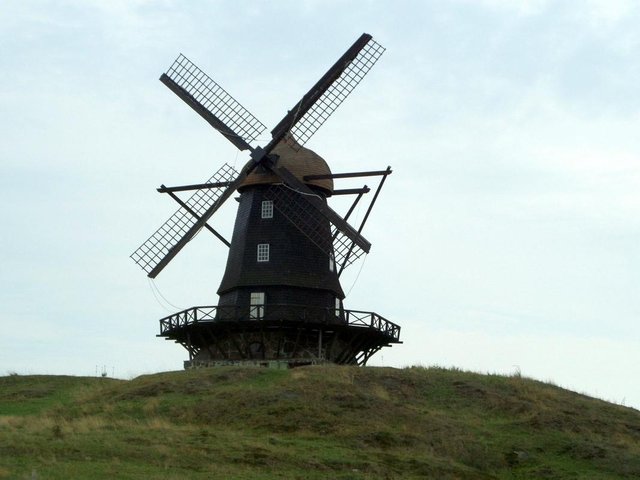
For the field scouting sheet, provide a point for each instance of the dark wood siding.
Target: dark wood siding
(297, 272)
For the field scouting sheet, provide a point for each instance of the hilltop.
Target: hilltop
(311, 423)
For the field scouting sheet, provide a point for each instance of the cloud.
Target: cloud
(511, 127)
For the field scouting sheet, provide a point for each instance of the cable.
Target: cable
(155, 295)
(294, 120)
(235, 160)
(153, 286)
(358, 275)
(298, 191)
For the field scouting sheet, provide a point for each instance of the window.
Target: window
(337, 311)
(263, 252)
(256, 310)
(332, 263)
(267, 209)
(256, 349)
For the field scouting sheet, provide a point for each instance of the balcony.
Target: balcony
(172, 325)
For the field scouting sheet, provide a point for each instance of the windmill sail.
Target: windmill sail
(309, 221)
(308, 115)
(212, 102)
(164, 239)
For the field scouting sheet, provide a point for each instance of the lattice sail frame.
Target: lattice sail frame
(155, 248)
(215, 98)
(309, 221)
(304, 127)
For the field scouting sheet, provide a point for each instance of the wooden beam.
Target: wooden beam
(351, 191)
(195, 186)
(326, 176)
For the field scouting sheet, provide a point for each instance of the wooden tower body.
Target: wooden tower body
(270, 258)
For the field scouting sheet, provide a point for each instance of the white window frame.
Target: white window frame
(338, 306)
(256, 308)
(267, 209)
(263, 252)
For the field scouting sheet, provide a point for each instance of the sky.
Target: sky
(505, 241)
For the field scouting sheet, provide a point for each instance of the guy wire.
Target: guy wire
(153, 283)
(358, 275)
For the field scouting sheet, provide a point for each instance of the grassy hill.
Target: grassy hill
(311, 423)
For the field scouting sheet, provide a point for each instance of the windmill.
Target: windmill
(280, 298)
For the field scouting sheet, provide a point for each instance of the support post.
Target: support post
(366, 216)
(196, 216)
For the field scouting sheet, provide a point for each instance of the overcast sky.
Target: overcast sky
(507, 238)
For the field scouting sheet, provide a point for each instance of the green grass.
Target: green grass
(311, 423)
(29, 395)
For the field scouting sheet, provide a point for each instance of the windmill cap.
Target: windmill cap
(300, 163)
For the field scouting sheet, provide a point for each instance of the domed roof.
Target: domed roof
(300, 163)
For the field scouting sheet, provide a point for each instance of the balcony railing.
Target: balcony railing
(295, 313)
